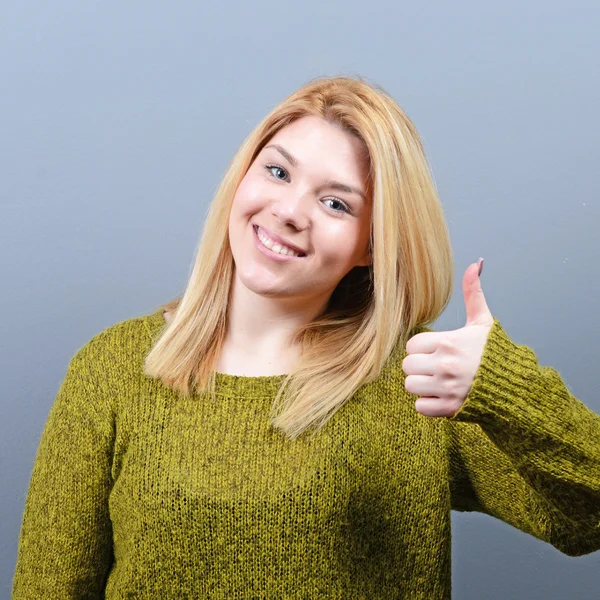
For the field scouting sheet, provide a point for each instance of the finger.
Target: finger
(478, 312)
(434, 407)
(419, 364)
(422, 385)
(424, 343)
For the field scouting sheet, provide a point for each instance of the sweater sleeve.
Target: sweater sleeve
(523, 449)
(65, 545)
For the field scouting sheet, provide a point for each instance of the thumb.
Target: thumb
(478, 312)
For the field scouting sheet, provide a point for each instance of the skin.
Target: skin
(442, 366)
(269, 299)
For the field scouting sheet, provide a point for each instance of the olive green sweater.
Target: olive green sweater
(138, 492)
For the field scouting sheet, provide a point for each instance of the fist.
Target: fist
(440, 366)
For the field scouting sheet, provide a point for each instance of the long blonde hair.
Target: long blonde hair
(372, 310)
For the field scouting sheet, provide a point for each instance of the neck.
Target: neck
(264, 326)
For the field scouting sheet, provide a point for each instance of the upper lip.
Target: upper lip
(279, 239)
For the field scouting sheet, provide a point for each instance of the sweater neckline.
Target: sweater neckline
(232, 385)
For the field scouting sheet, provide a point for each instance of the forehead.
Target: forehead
(313, 141)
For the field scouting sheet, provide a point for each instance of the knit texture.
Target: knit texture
(138, 492)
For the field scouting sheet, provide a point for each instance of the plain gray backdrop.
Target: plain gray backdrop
(118, 120)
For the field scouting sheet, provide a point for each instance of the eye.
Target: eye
(277, 169)
(271, 168)
(342, 204)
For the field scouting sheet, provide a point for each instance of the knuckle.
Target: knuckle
(450, 388)
(448, 345)
(448, 366)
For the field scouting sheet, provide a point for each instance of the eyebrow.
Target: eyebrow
(336, 185)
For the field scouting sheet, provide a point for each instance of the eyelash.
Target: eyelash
(346, 208)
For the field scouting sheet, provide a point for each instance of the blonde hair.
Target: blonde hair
(372, 310)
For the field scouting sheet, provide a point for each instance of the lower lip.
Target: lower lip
(269, 253)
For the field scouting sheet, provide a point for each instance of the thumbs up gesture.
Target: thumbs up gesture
(441, 366)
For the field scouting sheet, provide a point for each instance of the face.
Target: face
(305, 191)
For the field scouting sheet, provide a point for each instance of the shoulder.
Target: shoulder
(117, 352)
(121, 337)
(104, 372)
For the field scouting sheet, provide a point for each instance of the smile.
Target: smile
(275, 247)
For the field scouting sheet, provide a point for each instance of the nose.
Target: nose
(292, 208)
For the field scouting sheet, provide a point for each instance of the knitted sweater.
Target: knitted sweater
(138, 492)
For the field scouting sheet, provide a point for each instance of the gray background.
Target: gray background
(117, 121)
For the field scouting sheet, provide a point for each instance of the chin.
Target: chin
(259, 285)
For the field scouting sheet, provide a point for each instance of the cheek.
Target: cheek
(342, 244)
(249, 196)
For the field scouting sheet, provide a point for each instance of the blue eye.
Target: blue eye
(271, 167)
(344, 207)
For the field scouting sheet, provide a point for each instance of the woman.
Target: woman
(261, 436)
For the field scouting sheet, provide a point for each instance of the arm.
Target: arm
(523, 449)
(65, 546)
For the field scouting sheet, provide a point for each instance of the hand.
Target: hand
(441, 366)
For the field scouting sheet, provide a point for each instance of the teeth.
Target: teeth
(275, 247)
